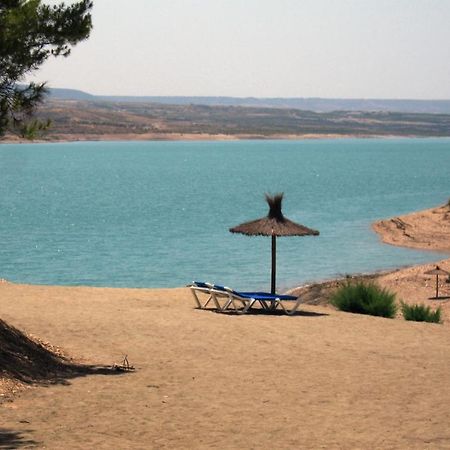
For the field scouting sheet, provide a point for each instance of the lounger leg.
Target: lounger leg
(280, 304)
(247, 307)
(211, 297)
(236, 308)
(216, 302)
(197, 301)
(229, 303)
(293, 310)
(273, 305)
(263, 304)
(207, 301)
(232, 301)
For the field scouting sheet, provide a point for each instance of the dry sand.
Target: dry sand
(320, 379)
(429, 229)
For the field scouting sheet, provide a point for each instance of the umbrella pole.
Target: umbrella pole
(274, 263)
(437, 286)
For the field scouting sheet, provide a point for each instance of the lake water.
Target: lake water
(157, 214)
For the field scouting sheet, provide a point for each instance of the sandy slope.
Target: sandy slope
(322, 379)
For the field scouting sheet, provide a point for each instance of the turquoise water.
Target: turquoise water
(157, 214)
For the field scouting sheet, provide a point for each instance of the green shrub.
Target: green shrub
(421, 313)
(365, 298)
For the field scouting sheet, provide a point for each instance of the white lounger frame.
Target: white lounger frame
(204, 290)
(247, 302)
(293, 310)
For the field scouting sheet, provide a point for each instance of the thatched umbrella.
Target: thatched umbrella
(437, 271)
(274, 224)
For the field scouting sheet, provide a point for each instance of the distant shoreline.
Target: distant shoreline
(103, 120)
(201, 137)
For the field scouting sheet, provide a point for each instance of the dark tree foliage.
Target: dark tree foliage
(30, 33)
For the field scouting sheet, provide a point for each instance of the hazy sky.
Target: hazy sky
(263, 48)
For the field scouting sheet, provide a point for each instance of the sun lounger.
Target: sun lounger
(240, 301)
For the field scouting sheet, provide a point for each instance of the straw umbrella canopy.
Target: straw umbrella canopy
(437, 271)
(274, 224)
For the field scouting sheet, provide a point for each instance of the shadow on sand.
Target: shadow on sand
(264, 312)
(15, 439)
(26, 360)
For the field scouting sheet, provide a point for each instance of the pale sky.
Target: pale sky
(262, 48)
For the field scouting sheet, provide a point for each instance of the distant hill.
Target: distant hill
(69, 94)
(306, 104)
(97, 118)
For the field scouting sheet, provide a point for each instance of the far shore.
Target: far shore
(198, 137)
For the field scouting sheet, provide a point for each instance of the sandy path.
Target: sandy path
(204, 380)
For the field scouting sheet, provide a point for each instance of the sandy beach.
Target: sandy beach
(319, 379)
(429, 229)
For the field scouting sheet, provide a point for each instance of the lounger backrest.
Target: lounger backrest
(218, 287)
(200, 284)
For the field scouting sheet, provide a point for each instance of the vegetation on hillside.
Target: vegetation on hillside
(102, 117)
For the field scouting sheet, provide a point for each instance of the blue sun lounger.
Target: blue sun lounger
(240, 301)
